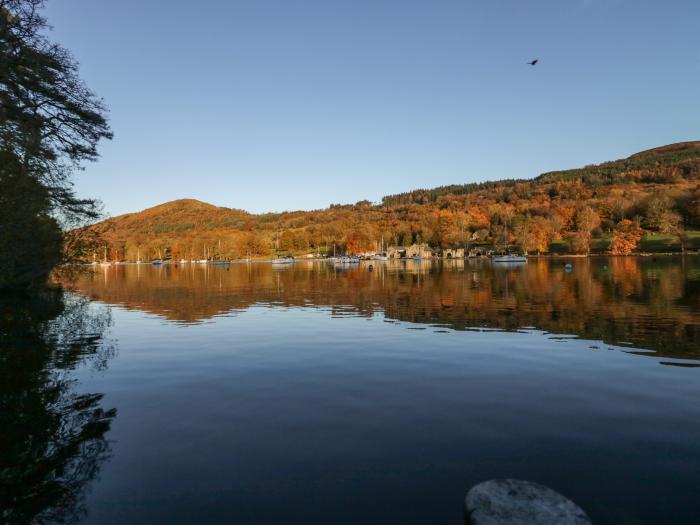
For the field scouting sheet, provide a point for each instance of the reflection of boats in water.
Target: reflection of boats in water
(283, 261)
(509, 258)
(347, 259)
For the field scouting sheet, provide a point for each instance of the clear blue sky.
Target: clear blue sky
(277, 105)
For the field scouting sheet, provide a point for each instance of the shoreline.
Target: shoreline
(329, 259)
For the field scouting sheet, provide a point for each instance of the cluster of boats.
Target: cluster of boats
(340, 261)
(353, 259)
(158, 262)
(343, 260)
(222, 262)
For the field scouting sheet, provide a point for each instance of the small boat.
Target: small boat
(157, 261)
(221, 263)
(509, 258)
(287, 259)
(183, 261)
(381, 257)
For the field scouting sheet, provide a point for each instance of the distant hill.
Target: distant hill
(178, 216)
(665, 163)
(651, 196)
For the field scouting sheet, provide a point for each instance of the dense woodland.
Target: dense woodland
(647, 202)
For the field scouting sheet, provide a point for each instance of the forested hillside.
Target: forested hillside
(649, 201)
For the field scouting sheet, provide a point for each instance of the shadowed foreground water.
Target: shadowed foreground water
(315, 395)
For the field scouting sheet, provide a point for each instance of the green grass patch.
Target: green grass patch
(691, 240)
(559, 246)
(660, 243)
(601, 244)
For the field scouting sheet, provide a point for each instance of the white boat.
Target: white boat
(287, 259)
(509, 258)
(382, 255)
(105, 262)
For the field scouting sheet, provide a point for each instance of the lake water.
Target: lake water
(312, 394)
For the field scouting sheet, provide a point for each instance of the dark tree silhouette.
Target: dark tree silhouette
(50, 122)
(49, 119)
(30, 239)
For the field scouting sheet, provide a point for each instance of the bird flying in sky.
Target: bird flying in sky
(534, 62)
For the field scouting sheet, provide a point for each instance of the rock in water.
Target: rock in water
(512, 501)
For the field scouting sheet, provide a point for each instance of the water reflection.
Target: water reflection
(52, 441)
(643, 303)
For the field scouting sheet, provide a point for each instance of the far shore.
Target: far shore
(402, 259)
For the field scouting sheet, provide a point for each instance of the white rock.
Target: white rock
(512, 501)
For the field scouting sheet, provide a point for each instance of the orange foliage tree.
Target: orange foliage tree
(626, 237)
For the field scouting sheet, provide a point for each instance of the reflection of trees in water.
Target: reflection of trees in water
(52, 438)
(652, 303)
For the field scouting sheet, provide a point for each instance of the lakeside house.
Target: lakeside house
(415, 250)
(423, 251)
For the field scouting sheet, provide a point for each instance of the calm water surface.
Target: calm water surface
(310, 394)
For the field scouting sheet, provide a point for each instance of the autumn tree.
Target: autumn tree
(533, 234)
(626, 237)
(586, 221)
(693, 207)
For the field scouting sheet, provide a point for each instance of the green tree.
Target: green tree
(659, 214)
